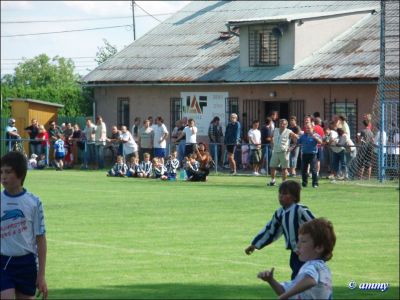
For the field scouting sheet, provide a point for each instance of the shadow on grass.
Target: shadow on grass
(197, 291)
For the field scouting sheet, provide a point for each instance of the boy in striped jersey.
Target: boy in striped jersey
(172, 165)
(23, 234)
(146, 166)
(286, 220)
(119, 169)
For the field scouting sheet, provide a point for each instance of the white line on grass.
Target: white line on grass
(131, 250)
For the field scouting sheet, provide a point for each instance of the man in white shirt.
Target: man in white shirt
(280, 150)
(254, 136)
(160, 139)
(129, 146)
(100, 137)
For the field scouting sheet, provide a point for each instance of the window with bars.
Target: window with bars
(263, 46)
(123, 112)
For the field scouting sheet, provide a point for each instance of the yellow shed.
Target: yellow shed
(24, 110)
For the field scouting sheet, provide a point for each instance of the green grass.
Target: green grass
(132, 238)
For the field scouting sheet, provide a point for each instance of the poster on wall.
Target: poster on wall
(203, 107)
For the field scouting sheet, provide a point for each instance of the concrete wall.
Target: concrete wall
(312, 35)
(301, 39)
(155, 100)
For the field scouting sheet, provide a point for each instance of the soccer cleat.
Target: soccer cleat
(272, 183)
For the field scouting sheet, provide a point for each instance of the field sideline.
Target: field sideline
(133, 238)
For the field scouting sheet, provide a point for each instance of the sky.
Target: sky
(81, 46)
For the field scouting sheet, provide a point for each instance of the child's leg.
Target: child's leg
(295, 264)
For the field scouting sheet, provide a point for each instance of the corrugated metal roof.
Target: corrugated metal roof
(187, 46)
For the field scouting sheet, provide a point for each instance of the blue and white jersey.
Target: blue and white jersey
(119, 168)
(134, 168)
(59, 147)
(158, 171)
(284, 221)
(22, 219)
(146, 167)
(172, 165)
(319, 271)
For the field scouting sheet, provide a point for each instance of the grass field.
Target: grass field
(132, 238)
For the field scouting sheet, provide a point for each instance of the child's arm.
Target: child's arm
(304, 284)
(268, 276)
(272, 231)
(42, 253)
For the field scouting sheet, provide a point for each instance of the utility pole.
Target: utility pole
(133, 20)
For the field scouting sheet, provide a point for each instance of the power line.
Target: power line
(147, 12)
(65, 31)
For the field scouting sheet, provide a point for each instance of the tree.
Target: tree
(50, 80)
(105, 52)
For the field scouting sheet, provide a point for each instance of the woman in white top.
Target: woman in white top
(190, 132)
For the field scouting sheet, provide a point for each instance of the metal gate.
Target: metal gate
(251, 112)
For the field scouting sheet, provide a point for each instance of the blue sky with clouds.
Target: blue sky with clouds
(77, 45)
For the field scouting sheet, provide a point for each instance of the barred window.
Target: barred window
(123, 111)
(263, 46)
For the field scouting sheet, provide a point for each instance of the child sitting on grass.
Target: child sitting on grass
(134, 167)
(41, 164)
(172, 165)
(314, 280)
(159, 170)
(119, 169)
(146, 166)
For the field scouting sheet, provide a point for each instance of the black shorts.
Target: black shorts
(231, 148)
(19, 273)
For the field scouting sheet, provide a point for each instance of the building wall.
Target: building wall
(155, 100)
(312, 35)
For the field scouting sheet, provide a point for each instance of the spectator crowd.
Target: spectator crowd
(148, 150)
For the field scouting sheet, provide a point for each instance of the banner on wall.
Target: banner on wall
(203, 107)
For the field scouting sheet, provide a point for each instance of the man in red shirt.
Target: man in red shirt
(320, 131)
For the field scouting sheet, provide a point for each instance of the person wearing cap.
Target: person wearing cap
(11, 134)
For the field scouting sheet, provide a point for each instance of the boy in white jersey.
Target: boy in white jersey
(146, 166)
(314, 280)
(23, 236)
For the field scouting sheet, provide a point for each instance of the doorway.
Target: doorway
(281, 107)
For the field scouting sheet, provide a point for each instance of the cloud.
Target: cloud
(16, 5)
(101, 8)
(123, 8)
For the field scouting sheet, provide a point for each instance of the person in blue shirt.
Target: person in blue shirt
(309, 141)
(232, 139)
(59, 152)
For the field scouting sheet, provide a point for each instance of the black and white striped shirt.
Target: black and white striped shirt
(286, 222)
(146, 167)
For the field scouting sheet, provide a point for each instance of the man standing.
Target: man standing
(232, 139)
(160, 139)
(309, 142)
(11, 135)
(215, 135)
(33, 131)
(281, 150)
(100, 138)
(254, 136)
(90, 152)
